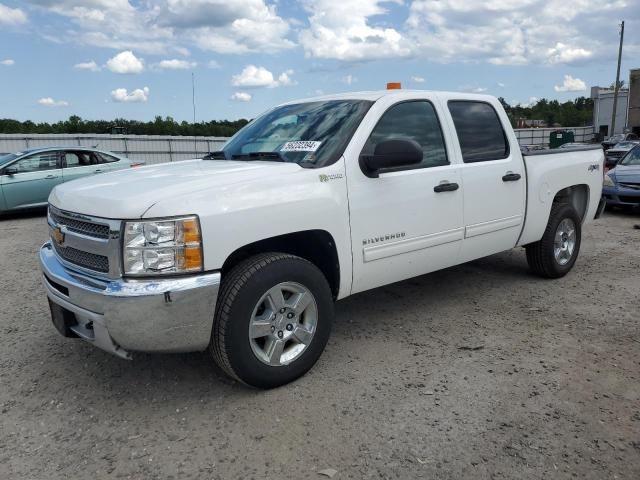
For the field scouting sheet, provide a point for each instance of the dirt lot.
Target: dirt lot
(479, 371)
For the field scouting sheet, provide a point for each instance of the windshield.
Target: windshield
(312, 134)
(632, 158)
(617, 138)
(9, 157)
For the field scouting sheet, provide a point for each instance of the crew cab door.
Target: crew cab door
(493, 176)
(403, 223)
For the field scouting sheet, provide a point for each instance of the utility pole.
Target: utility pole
(193, 101)
(616, 87)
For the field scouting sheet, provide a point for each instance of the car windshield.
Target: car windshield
(312, 134)
(632, 158)
(9, 157)
(616, 138)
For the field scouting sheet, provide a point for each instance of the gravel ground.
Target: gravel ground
(478, 371)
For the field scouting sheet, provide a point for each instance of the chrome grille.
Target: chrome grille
(79, 226)
(92, 261)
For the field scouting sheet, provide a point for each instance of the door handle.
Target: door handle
(51, 177)
(97, 171)
(511, 177)
(446, 187)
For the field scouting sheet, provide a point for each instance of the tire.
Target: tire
(542, 255)
(248, 304)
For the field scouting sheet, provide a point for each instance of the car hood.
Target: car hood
(130, 193)
(626, 173)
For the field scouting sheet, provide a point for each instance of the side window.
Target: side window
(37, 162)
(480, 132)
(76, 159)
(416, 120)
(104, 158)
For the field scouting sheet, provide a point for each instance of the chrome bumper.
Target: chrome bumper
(122, 316)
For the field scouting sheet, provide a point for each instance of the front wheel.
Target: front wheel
(556, 253)
(272, 321)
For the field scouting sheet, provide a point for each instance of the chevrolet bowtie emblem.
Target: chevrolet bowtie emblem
(57, 235)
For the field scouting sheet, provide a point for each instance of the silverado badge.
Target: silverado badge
(57, 235)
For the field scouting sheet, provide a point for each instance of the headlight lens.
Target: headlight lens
(162, 246)
(608, 181)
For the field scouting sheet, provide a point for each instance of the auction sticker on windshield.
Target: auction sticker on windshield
(300, 146)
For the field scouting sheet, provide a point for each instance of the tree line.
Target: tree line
(159, 126)
(573, 113)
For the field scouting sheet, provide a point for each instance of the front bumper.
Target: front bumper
(621, 196)
(126, 315)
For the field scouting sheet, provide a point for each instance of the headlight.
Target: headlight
(162, 246)
(608, 181)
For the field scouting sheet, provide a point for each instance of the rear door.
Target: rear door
(108, 163)
(36, 176)
(78, 164)
(403, 223)
(493, 176)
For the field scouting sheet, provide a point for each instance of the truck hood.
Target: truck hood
(130, 193)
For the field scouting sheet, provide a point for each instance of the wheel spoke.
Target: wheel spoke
(259, 329)
(301, 302)
(273, 349)
(302, 334)
(275, 298)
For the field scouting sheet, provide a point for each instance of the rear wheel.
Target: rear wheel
(556, 253)
(272, 321)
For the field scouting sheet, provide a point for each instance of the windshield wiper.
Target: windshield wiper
(273, 156)
(218, 155)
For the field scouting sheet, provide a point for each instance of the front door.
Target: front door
(33, 180)
(494, 179)
(404, 223)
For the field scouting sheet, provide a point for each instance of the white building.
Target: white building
(603, 109)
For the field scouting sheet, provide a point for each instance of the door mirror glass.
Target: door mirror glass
(11, 170)
(392, 153)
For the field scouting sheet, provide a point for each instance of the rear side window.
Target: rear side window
(480, 132)
(415, 120)
(104, 158)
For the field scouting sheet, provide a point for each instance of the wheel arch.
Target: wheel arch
(576, 196)
(316, 246)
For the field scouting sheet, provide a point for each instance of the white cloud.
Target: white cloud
(571, 84)
(417, 79)
(139, 95)
(241, 96)
(213, 65)
(253, 77)
(8, 62)
(125, 62)
(91, 66)
(349, 79)
(50, 102)
(12, 16)
(342, 30)
(176, 64)
(500, 84)
(562, 53)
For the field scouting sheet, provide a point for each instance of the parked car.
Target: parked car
(620, 137)
(619, 150)
(27, 177)
(244, 254)
(622, 184)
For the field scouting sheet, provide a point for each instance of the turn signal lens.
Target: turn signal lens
(191, 230)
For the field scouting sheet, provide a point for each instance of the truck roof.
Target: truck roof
(375, 95)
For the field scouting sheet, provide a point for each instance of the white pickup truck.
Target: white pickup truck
(245, 252)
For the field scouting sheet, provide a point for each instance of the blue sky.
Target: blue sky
(101, 59)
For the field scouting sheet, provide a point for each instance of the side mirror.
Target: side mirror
(391, 153)
(11, 170)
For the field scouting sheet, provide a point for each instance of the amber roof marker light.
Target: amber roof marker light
(394, 85)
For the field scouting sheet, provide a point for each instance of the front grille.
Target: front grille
(627, 199)
(99, 263)
(634, 185)
(615, 154)
(89, 229)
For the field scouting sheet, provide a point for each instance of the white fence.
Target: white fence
(148, 148)
(159, 148)
(540, 136)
